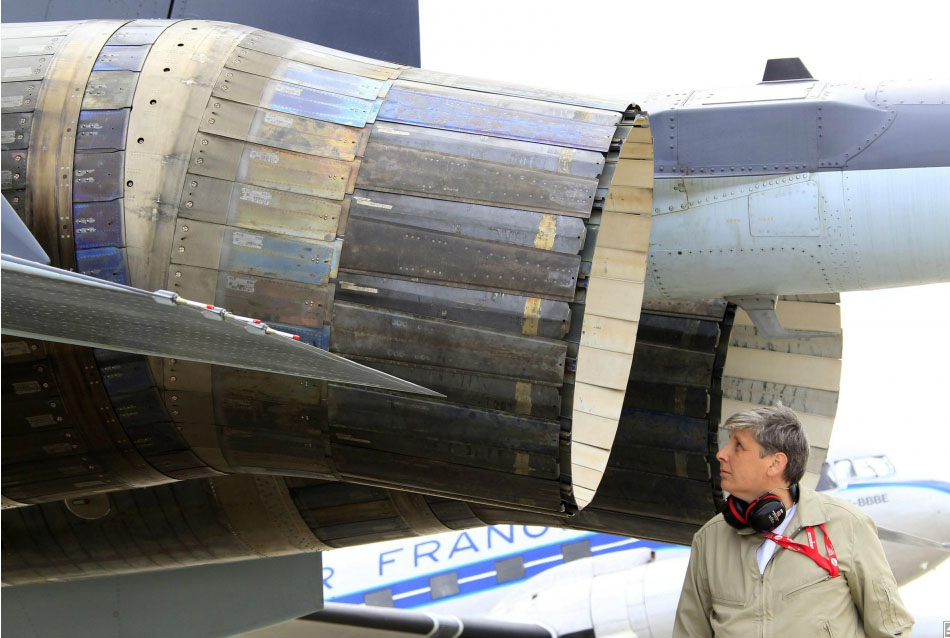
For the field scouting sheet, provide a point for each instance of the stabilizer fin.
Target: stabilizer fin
(785, 70)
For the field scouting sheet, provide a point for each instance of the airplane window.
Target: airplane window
(826, 481)
(873, 467)
(843, 472)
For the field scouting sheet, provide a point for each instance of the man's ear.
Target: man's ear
(778, 464)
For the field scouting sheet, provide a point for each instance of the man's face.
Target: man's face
(743, 470)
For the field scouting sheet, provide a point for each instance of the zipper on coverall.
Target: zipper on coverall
(765, 608)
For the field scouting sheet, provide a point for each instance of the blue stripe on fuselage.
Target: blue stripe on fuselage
(415, 591)
(939, 486)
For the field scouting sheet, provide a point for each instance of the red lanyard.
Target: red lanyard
(829, 564)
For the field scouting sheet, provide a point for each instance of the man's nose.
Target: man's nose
(721, 454)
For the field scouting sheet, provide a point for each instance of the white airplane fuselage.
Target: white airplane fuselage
(572, 581)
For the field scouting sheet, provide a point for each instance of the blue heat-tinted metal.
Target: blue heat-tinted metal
(97, 177)
(98, 224)
(333, 81)
(103, 263)
(279, 257)
(131, 375)
(139, 408)
(121, 58)
(102, 129)
(411, 107)
(318, 337)
(155, 438)
(320, 105)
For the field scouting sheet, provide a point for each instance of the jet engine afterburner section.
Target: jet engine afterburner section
(486, 241)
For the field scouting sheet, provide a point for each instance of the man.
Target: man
(833, 581)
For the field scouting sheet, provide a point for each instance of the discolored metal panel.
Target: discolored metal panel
(29, 381)
(292, 98)
(274, 388)
(15, 133)
(13, 166)
(19, 97)
(264, 255)
(674, 399)
(110, 90)
(276, 452)
(281, 130)
(664, 431)
(507, 88)
(713, 309)
(103, 263)
(123, 372)
(63, 475)
(27, 415)
(121, 58)
(274, 300)
(461, 481)
(560, 233)
(139, 408)
(530, 155)
(480, 391)
(18, 201)
(132, 34)
(663, 496)
(102, 130)
(38, 29)
(236, 161)
(308, 75)
(440, 446)
(19, 69)
(278, 257)
(748, 337)
(98, 224)
(373, 246)
(251, 413)
(97, 177)
(514, 314)
(800, 399)
(371, 332)
(283, 46)
(486, 114)
(678, 331)
(663, 364)
(415, 172)
(659, 461)
(41, 444)
(189, 407)
(259, 208)
(18, 47)
(19, 349)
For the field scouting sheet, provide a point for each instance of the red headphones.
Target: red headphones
(763, 514)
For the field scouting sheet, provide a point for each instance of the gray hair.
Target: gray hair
(776, 429)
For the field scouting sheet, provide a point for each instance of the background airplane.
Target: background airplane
(572, 582)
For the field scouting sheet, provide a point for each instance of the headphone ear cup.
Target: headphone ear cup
(766, 513)
(735, 512)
